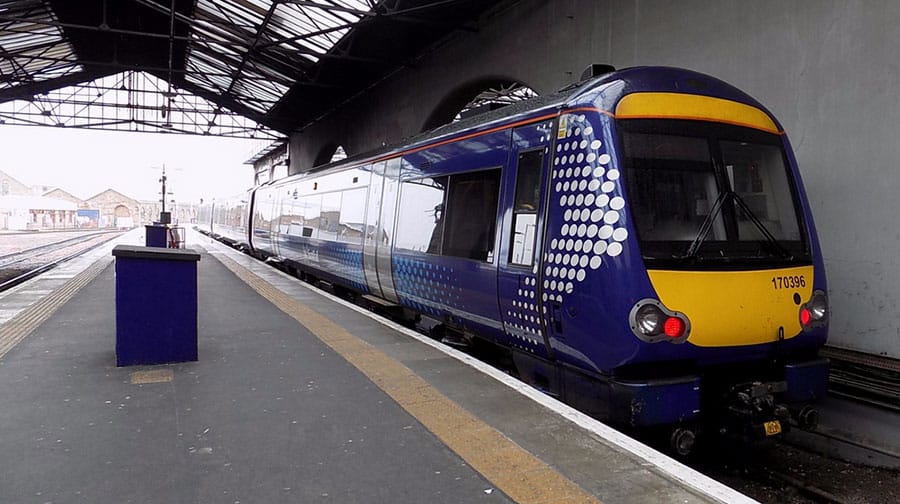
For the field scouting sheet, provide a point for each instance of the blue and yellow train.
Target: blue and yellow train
(640, 242)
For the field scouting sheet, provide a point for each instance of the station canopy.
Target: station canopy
(246, 68)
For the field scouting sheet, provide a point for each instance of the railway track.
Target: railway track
(801, 486)
(19, 266)
(866, 378)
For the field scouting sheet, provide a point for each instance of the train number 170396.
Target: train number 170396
(789, 282)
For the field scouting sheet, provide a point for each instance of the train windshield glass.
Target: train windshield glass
(710, 194)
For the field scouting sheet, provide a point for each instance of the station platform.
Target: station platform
(297, 396)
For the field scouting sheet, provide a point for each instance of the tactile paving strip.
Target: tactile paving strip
(512, 469)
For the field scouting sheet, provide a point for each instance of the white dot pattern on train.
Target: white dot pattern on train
(523, 322)
(585, 189)
(426, 286)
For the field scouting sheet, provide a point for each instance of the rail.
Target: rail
(34, 255)
(871, 379)
(7, 260)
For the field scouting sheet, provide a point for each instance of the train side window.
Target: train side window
(352, 217)
(291, 216)
(470, 215)
(420, 226)
(311, 213)
(528, 187)
(330, 217)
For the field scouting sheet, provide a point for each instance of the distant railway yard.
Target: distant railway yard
(24, 255)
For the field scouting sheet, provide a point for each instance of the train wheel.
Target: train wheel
(682, 441)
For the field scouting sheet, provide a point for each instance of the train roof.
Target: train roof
(512, 111)
(603, 91)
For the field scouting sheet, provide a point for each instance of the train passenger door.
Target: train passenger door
(519, 276)
(379, 229)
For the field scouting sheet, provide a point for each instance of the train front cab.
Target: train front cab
(734, 273)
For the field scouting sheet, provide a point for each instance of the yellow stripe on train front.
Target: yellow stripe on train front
(693, 107)
(729, 308)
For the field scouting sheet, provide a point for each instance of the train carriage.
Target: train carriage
(641, 243)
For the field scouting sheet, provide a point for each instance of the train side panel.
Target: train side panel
(445, 255)
(316, 224)
(230, 219)
(204, 217)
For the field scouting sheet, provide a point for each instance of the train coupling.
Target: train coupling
(753, 413)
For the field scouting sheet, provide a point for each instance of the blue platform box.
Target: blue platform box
(156, 235)
(156, 305)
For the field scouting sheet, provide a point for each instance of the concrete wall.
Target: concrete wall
(825, 68)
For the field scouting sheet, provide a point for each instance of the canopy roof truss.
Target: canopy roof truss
(283, 64)
(130, 101)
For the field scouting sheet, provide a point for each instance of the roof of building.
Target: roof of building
(62, 194)
(11, 185)
(111, 193)
(23, 202)
(281, 63)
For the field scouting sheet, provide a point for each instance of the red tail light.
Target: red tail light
(674, 327)
(805, 316)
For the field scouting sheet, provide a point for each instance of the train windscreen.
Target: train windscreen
(708, 194)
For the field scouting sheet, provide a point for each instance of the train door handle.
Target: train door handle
(555, 317)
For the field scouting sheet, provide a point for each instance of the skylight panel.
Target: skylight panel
(286, 40)
(33, 50)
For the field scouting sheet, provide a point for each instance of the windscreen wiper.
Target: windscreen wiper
(765, 231)
(714, 212)
(707, 224)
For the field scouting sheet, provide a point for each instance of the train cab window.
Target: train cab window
(710, 195)
(757, 174)
(471, 215)
(528, 186)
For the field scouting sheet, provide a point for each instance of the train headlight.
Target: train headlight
(815, 312)
(652, 322)
(649, 320)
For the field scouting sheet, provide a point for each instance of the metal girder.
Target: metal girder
(282, 63)
(130, 101)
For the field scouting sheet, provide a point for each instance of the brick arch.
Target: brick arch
(331, 151)
(465, 95)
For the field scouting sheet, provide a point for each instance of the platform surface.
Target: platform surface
(296, 397)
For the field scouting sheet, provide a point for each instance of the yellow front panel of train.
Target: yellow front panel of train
(729, 308)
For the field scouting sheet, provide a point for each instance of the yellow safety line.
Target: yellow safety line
(512, 469)
(25, 322)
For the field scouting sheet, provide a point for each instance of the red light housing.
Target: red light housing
(674, 327)
(814, 313)
(652, 322)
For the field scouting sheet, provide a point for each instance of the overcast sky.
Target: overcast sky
(86, 162)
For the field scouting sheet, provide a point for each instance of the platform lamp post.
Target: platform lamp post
(164, 217)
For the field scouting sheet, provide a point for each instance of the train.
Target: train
(639, 243)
